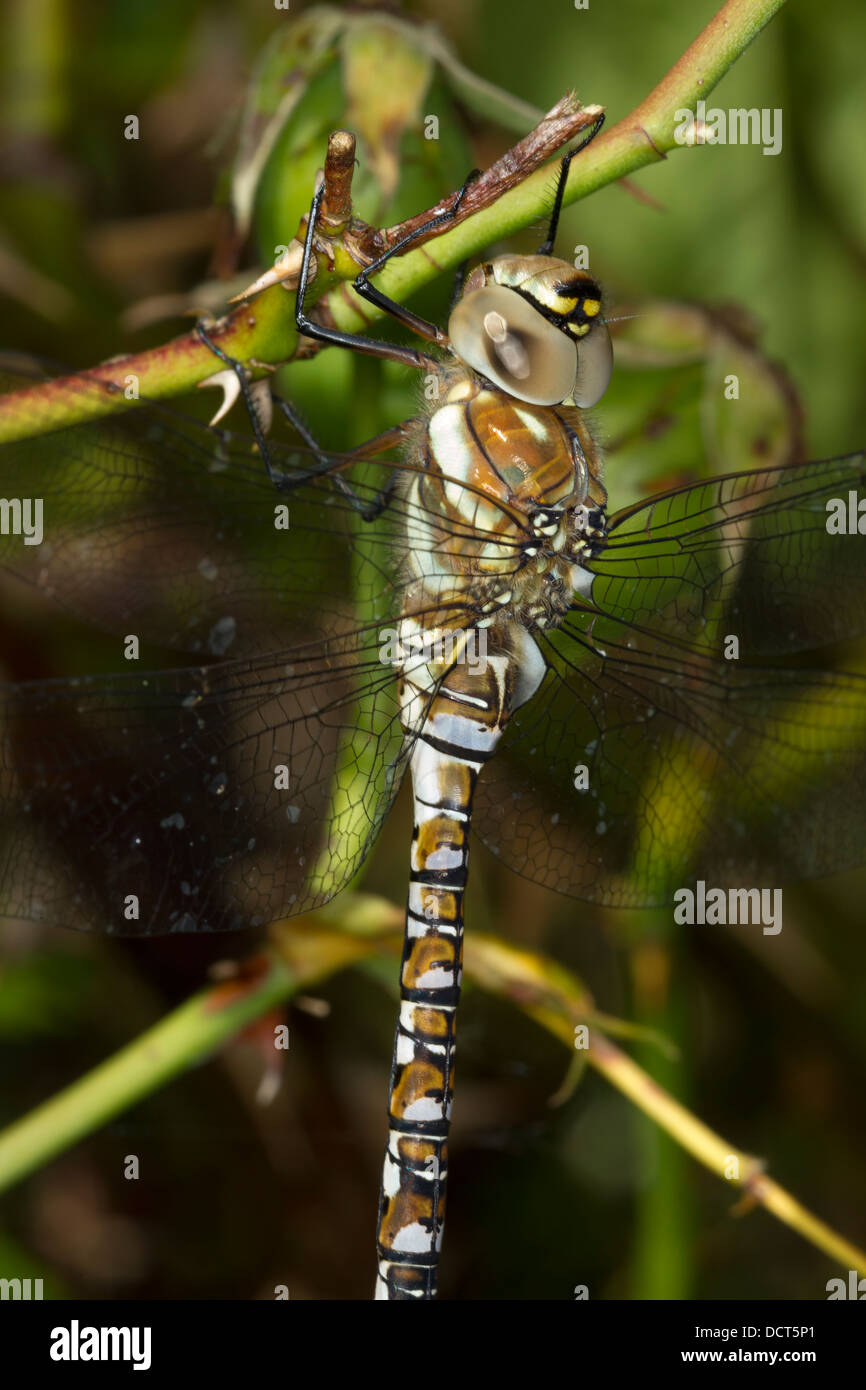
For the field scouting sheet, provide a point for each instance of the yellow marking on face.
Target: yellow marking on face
(591, 306)
(579, 330)
(557, 303)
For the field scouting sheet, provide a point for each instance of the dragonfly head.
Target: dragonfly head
(533, 326)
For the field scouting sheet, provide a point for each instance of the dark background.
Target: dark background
(235, 1199)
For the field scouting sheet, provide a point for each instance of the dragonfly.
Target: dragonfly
(616, 702)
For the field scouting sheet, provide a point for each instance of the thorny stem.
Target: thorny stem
(361, 927)
(264, 331)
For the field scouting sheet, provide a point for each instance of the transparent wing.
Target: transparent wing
(657, 750)
(203, 799)
(251, 785)
(155, 525)
(761, 553)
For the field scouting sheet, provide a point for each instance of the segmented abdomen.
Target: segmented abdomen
(455, 718)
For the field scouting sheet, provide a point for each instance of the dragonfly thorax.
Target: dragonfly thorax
(516, 490)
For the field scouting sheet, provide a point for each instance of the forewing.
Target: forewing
(251, 785)
(158, 527)
(756, 554)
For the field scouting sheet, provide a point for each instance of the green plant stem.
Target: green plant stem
(554, 999)
(644, 137)
(664, 1239)
(189, 1034)
(360, 927)
(264, 330)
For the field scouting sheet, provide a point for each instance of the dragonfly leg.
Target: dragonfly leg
(546, 247)
(375, 508)
(457, 286)
(371, 347)
(240, 371)
(389, 439)
(361, 285)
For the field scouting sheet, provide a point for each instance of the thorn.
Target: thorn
(227, 381)
(286, 268)
(260, 392)
(317, 1008)
(269, 1086)
(263, 403)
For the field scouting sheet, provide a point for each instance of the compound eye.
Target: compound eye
(594, 365)
(499, 334)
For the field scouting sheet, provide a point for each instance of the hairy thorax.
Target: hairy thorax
(506, 507)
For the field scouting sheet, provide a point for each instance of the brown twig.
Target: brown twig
(558, 128)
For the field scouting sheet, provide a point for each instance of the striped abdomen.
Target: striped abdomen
(460, 714)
